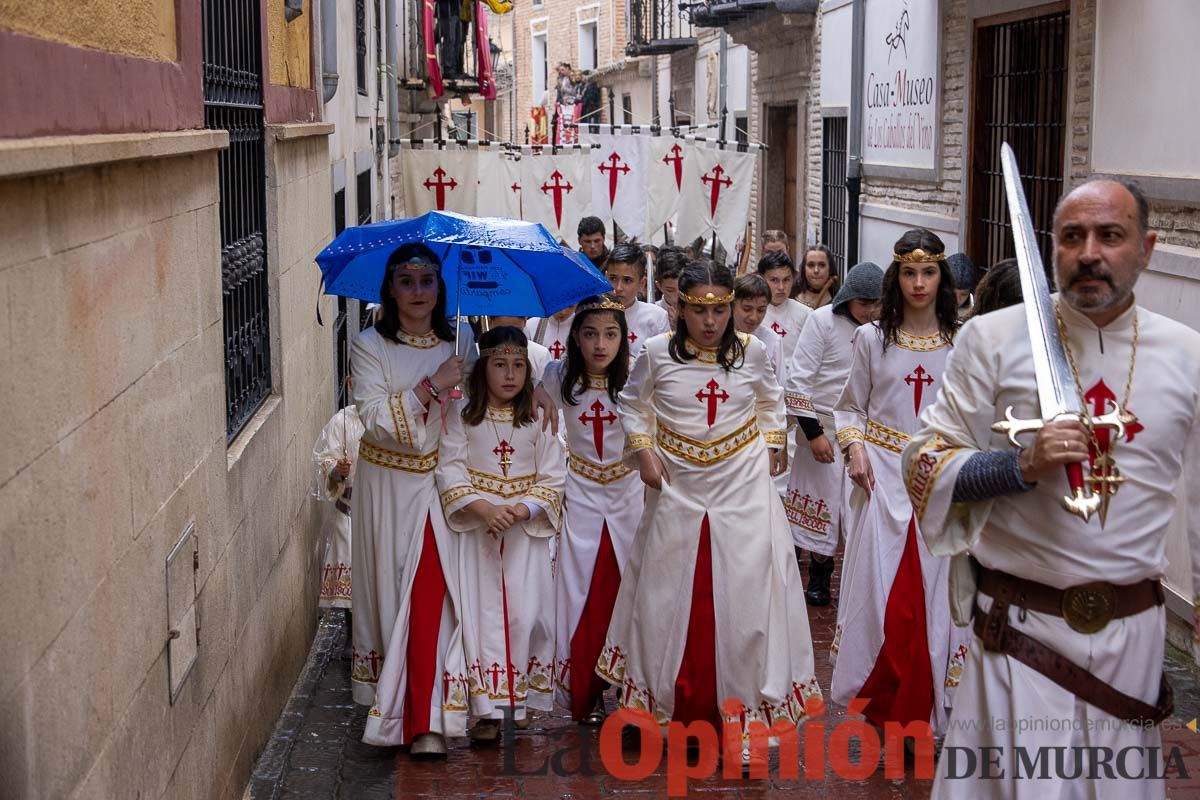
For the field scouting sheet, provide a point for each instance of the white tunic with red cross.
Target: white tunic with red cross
(786, 320)
(1030, 535)
(644, 320)
(554, 337)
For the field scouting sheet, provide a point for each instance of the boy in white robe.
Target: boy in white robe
(551, 332)
(335, 456)
(785, 317)
(626, 271)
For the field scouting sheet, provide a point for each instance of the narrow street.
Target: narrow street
(316, 752)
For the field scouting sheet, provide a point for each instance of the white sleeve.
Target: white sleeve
(850, 410)
(392, 415)
(804, 367)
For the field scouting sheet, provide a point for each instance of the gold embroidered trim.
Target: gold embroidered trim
(456, 493)
(547, 495)
(848, 436)
(374, 712)
(597, 473)
(709, 299)
(638, 441)
(799, 402)
(924, 471)
(775, 438)
(837, 641)
(885, 437)
(708, 355)
(504, 414)
(400, 419)
(955, 670)
(393, 459)
(921, 344)
(918, 256)
(706, 453)
(501, 487)
(808, 512)
(595, 382)
(426, 341)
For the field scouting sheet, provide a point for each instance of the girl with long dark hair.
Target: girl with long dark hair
(405, 587)
(815, 278)
(894, 642)
(603, 499)
(501, 480)
(711, 591)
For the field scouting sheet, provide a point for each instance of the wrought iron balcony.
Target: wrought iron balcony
(719, 13)
(657, 27)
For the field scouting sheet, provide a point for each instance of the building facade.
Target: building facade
(164, 175)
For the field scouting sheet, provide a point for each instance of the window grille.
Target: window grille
(833, 191)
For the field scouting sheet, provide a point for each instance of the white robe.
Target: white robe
(815, 377)
(774, 345)
(786, 321)
(339, 439)
(878, 407)
(555, 336)
(1030, 535)
(718, 468)
(505, 581)
(394, 495)
(644, 321)
(602, 492)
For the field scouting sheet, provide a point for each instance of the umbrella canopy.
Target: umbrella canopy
(491, 266)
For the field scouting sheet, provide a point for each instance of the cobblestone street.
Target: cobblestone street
(317, 752)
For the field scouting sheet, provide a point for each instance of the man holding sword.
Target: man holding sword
(1059, 542)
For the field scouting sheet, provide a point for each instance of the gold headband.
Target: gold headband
(506, 349)
(917, 255)
(709, 299)
(605, 304)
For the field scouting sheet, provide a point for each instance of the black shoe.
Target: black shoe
(819, 573)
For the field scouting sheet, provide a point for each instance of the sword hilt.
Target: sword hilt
(1080, 502)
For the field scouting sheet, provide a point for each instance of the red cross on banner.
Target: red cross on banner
(715, 197)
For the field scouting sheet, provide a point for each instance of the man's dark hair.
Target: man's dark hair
(589, 226)
(775, 260)
(751, 286)
(627, 253)
(670, 263)
(1139, 198)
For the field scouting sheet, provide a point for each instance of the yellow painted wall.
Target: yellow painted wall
(290, 46)
(144, 28)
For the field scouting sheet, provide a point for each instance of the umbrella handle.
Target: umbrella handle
(456, 392)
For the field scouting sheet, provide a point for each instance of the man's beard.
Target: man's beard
(1097, 300)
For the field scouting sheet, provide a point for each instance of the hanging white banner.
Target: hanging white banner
(557, 190)
(715, 197)
(664, 157)
(439, 180)
(619, 178)
(499, 185)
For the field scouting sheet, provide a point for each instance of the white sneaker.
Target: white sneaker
(428, 745)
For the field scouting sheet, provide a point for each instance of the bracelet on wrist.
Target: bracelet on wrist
(428, 386)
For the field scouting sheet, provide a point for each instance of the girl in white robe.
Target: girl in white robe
(604, 498)
(711, 606)
(335, 456)
(895, 643)
(501, 479)
(405, 560)
(815, 378)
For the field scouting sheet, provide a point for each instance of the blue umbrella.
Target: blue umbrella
(491, 266)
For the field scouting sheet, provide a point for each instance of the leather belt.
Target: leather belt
(1087, 608)
(1087, 604)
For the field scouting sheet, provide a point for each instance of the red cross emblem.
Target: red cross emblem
(557, 349)
(712, 398)
(782, 331)
(715, 181)
(677, 161)
(559, 188)
(919, 379)
(614, 174)
(633, 337)
(504, 451)
(439, 187)
(1104, 400)
(597, 422)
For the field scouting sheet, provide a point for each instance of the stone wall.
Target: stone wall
(114, 364)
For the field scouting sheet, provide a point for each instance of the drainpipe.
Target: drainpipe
(854, 132)
(393, 85)
(723, 67)
(329, 73)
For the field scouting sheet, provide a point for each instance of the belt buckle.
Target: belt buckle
(1087, 608)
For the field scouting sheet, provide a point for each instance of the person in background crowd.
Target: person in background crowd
(751, 296)
(775, 241)
(335, 455)
(815, 282)
(966, 277)
(820, 364)
(591, 234)
(671, 261)
(626, 271)
(589, 97)
(999, 287)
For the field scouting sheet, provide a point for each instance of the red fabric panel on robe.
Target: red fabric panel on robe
(587, 641)
(424, 624)
(696, 683)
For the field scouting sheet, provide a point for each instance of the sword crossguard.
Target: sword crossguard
(1013, 427)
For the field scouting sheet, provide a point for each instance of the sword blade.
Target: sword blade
(1057, 394)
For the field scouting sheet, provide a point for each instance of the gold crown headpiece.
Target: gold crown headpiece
(916, 256)
(709, 299)
(604, 304)
(506, 349)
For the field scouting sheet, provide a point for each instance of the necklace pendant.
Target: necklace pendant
(1104, 482)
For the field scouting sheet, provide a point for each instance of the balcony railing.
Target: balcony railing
(719, 13)
(657, 27)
